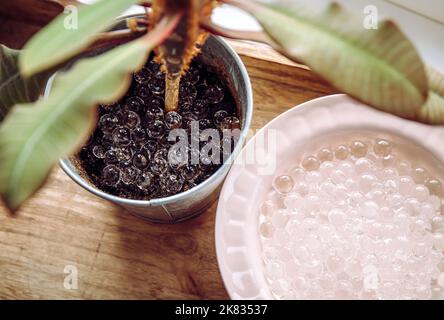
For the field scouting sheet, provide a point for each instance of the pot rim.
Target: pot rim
(66, 164)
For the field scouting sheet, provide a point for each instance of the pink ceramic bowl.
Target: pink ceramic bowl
(293, 134)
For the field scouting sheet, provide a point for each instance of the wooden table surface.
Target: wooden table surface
(117, 255)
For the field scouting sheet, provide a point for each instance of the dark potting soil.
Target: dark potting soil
(130, 153)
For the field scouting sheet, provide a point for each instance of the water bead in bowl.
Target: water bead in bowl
(434, 186)
(382, 147)
(420, 175)
(342, 152)
(325, 154)
(283, 184)
(310, 163)
(358, 148)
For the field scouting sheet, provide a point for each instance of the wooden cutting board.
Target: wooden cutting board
(119, 256)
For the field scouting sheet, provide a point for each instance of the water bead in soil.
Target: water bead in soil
(144, 181)
(155, 129)
(108, 122)
(141, 160)
(129, 119)
(177, 156)
(150, 146)
(128, 129)
(214, 94)
(138, 135)
(159, 165)
(171, 183)
(173, 120)
(99, 151)
(134, 104)
(121, 136)
(111, 175)
(219, 117)
(130, 174)
(158, 74)
(154, 113)
(110, 157)
(124, 154)
(142, 92)
(231, 123)
(143, 76)
(189, 171)
(157, 86)
(156, 102)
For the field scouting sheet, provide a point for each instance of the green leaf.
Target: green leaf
(60, 40)
(433, 111)
(378, 66)
(13, 88)
(32, 139)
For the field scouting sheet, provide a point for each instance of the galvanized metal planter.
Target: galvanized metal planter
(220, 56)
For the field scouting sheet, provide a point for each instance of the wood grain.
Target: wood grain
(119, 256)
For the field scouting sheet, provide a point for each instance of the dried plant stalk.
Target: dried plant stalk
(177, 52)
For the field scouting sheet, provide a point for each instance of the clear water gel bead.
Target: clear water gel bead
(342, 152)
(99, 151)
(141, 160)
(382, 147)
(325, 154)
(267, 208)
(121, 136)
(283, 184)
(354, 222)
(155, 129)
(297, 173)
(435, 187)
(130, 119)
(173, 120)
(358, 148)
(107, 123)
(144, 180)
(111, 175)
(310, 163)
(420, 175)
(219, 116)
(129, 174)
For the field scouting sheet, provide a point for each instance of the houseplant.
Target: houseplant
(379, 67)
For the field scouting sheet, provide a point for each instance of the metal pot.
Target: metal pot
(218, 54)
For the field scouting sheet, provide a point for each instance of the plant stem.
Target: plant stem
(172, 84)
